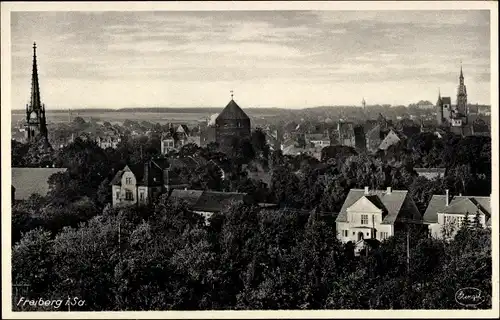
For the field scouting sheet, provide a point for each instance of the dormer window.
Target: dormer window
(128, 180)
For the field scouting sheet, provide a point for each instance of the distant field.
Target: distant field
(120, 117)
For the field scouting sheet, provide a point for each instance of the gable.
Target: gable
(364, 205)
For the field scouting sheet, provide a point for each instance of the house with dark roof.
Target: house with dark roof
(445, 213)
(141, 183)
(392, 138)
(430, 173)
(375, 214)
(174, 140)
(29, 181)
(231, 124)
(206, 203)
(375, 136)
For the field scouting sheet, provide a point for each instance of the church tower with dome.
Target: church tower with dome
(36, 123)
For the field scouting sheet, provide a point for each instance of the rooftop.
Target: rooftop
(28, 181)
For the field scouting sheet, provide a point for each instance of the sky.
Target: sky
(284, 59)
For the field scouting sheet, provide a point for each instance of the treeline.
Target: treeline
(166, 258)
(300, 182)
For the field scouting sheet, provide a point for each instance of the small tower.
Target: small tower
(462, 97)
(36, 124)
(363, 103)
(439, 109)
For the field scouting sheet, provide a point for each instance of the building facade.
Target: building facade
(445, 214)
(375, 214)
(142, 183)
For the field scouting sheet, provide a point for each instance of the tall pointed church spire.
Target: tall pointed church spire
(35, 88)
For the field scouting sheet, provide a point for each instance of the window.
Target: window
(117, 195)
(129, 195)
(142, 196)
(364, 219)
(353, 233)
(345, 233)
(384, 235)
(128, 180)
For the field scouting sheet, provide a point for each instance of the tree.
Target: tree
(79, 121)
(104, 192)
(32, 262)
(338, 152)
(259, 143)
(188, 150)
(19, 153)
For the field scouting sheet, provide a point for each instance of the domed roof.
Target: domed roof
(232, 112)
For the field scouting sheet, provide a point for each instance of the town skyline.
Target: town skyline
(281, 59)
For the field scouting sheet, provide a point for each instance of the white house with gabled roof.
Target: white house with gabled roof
(375, 214)
(445, 213)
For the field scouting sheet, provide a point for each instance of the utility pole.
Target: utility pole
(408, 251)
(119, 240)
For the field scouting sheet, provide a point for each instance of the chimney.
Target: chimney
(367, 190)
(447, 197)
(389, 190)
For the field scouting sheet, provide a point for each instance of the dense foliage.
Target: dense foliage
(165, 257)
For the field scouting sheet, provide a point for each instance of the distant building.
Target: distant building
(454, 116)
(392, 138)
(445, 214)
(206, 203)
(108, 141)
(36, 122)
(173, 141)
(207, 135)
(360, 138)
(430, 173)
(29, 181)
(141, 183)
(168, 143)
(293, 150)
(375, 214)
(345, 134)
(231, 125)
(317, 140)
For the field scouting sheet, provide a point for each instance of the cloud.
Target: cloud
(254, 49)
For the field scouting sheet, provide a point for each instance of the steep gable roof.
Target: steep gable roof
(152, 176)
(232, 112)
(391, 138)
(182, 128)
(28, 181)
(391, 202)
(457, 205)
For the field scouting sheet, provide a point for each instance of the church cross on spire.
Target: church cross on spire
(232, 94)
